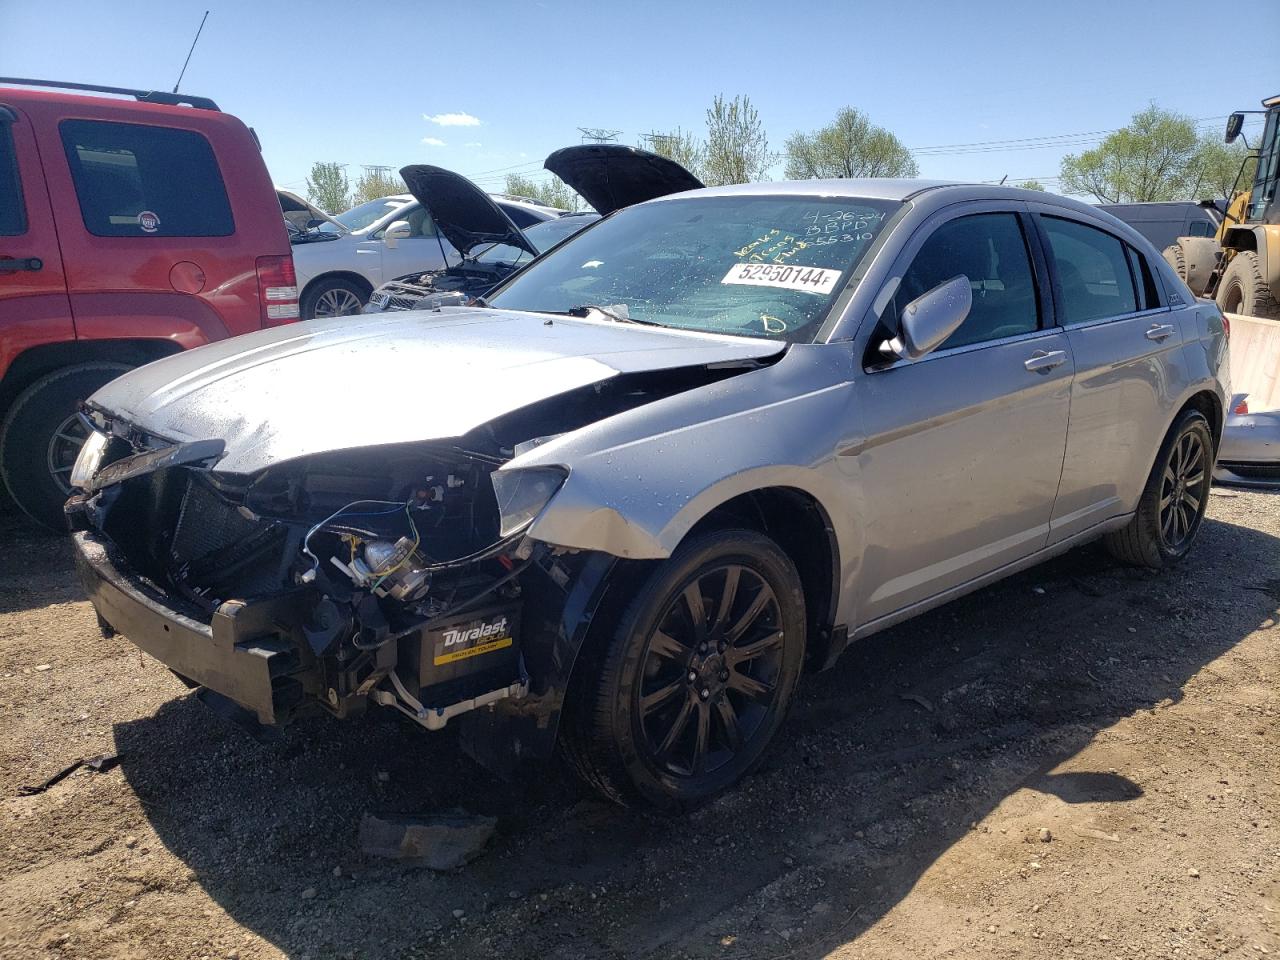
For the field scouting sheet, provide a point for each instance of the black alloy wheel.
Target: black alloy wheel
(711, 671)
(684, 694)
(1184, 485)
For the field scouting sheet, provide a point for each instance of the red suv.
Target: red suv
(132, 226)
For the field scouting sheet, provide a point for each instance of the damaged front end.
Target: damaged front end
(399, 575)
(393, 576)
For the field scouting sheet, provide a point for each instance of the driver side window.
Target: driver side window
(989, 249)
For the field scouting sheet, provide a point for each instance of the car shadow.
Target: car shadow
(887, 760)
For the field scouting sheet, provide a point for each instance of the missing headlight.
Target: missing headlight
(523, 493)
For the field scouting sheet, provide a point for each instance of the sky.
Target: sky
(979, 90)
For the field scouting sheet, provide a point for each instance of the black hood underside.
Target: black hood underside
(463, 213)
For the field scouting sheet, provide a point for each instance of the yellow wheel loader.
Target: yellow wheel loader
(1239, 266)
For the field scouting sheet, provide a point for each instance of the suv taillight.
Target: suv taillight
(277, 290)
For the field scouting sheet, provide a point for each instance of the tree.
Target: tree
(1153, 158)
(327, 187)
(682, 147)
(737, 147)
(1030, 185)
(1217, 166)
(375, 183)
(551, 193)
(852, 146)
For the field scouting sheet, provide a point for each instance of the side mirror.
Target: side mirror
(929, 319)
(1235, 123)
(397, 230)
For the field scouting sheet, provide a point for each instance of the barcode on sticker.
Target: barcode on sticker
(810, 279)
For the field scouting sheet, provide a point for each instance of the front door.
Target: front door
(963, 447)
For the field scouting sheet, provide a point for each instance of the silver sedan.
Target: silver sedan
(709, 441)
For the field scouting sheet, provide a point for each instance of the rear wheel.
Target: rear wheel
(42, 436)
(1174, 501)
(697, 677)
(1244, 288)
(333, 298)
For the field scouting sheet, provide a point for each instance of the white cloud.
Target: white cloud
(434, 142)
(474, 144)
(452, 119)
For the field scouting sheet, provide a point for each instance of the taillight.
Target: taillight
(1242, 406)
(1226, 327)
(277, 290)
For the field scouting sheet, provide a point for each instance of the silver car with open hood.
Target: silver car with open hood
(703, 444)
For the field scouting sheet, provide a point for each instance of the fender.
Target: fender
(185, 319)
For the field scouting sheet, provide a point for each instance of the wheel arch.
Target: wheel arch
(350, 276)
(43, 359)
(801, 526)
(1209, 404)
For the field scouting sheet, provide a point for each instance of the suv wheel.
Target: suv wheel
(687, 693)
(42, 436)
(333, 298)
(1174, 501)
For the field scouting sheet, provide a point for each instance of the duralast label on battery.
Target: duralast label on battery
(472, 639)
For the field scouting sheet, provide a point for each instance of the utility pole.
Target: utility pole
(658, 142)
(599, 135)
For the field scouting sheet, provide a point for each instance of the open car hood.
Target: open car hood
(300, 212)
(610, 176)
(462, 212)
(410, 376)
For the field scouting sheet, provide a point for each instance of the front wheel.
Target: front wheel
(684, 697)
(1174, 500)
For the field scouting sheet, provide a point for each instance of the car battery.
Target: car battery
(477, 651)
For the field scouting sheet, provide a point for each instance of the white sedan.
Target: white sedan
(341, 262)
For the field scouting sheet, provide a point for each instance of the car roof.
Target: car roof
(874, 188)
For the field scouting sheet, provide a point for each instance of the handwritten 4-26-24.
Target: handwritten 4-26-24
(789, 277)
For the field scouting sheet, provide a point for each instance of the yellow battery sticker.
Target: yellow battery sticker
(455, 655)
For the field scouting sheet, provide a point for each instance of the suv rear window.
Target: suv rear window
(13, 215)
(135, 180)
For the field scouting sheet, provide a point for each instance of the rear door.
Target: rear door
(146, 223)
(1129, 367)
(34, 308)
(964, 446)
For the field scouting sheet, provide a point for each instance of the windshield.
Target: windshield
(359, 217)
(746, 265)
(542, 236)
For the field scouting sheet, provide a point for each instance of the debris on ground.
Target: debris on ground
(439, 842)
(917, 699)
(98, 764)
(1095, 834)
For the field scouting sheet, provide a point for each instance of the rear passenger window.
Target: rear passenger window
(134, 180)
(990, 250)
(1093, 271)
(1202, 228)
(13, 213)
(1148, 293)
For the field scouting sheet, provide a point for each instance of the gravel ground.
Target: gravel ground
(1079, 762)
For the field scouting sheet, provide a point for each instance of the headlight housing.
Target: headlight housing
(89, 459)
(523, 493)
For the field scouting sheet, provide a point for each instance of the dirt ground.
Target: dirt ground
(1134, 717)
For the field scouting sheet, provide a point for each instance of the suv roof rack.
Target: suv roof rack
(146, 96)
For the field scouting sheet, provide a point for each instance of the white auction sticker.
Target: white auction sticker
(787, 276)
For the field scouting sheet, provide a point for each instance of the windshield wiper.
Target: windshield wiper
(586, 309)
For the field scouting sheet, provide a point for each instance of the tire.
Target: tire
(1244, 288)
(1176, 258)
(1156, 537)
(41, 436)
(333, 298)
(738, 673)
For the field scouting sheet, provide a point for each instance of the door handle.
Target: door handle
(1042, 361)
(1160, 331)
(27, 263)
